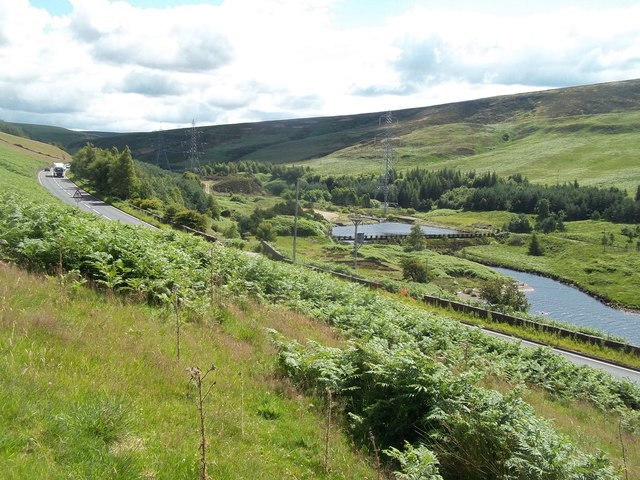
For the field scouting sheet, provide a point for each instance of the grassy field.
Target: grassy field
(92, 388)
(593, 149)
(448, 275)
(585, 133)
(380, 261)
(37, 150)
(19, 165)
(576, 256)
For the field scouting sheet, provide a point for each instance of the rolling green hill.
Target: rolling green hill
(586, 133)
(93, 386)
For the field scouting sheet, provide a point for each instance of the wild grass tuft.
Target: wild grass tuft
(91, 389)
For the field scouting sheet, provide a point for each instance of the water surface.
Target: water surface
(387, 228)
(568, 304)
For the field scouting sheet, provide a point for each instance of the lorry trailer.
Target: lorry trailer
(58, 170)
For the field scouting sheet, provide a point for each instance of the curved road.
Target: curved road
(614, 370)
(70, 193)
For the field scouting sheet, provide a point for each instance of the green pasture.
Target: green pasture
(92, 388)
(19, 169)
(593, 149)
(577, 256)
(448, 274)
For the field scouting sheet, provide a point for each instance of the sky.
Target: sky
(146, 65)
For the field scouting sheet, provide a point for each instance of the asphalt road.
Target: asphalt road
(70, 193)
(615, 370)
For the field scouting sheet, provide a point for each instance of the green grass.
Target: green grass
(92, 389)
(586, 133)
(19, 167)
(575, 256)
(449, 275)
(593, 149)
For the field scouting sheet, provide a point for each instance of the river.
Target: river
(561, 302)
(547, 297)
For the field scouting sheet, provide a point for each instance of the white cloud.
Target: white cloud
(560, 48)
(179, 39)
(111, 66)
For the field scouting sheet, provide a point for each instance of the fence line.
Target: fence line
(476, 311)
(402, 236)
(160, 218)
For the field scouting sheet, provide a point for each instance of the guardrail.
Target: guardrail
(523, 322)
(160, 218)
(387, 237)
(476, 311)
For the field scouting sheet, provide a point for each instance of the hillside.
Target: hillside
(588, 133)
(93, 387)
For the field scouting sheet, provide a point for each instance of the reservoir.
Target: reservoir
(387, 228)
(558, 301)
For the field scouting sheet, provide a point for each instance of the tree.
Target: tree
(630, 233)
(213, 208)
(122, 175)
(191, 219)
(543, 208)
(535, 248)
(519, 224)
(499, 293)
(265, 231)
(82, 160)
(416, 240)
(414, 270)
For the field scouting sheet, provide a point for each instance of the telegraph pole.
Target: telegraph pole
(357, 220)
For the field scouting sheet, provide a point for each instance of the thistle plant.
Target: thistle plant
(198, 379)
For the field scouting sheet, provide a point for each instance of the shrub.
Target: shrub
(265, 231)
(519, 224)
(153, 204)
(504, 294)
(414, 270)
(191, 219)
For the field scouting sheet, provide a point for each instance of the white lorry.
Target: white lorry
(58, 170)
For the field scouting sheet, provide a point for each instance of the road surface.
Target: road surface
(615, 370)
(70, 193)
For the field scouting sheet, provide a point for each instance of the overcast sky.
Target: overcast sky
(143, 65)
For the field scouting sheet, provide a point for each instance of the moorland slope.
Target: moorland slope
(586, 133)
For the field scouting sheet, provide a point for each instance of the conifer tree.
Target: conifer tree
(535, 248)
(122, 176)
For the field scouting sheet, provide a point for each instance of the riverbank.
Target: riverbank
(543, 333)
(550, 275)
(576, 256)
